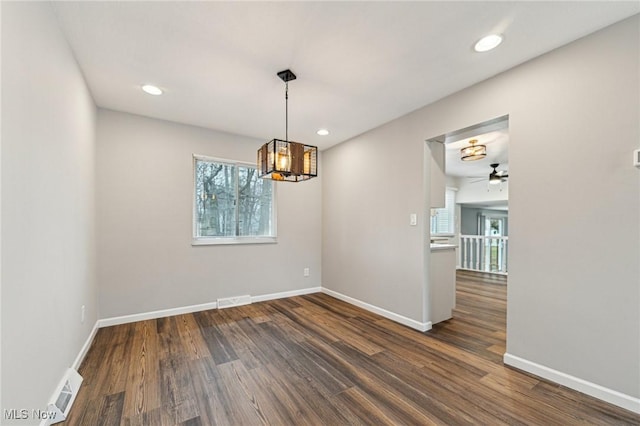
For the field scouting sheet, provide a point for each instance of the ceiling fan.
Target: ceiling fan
(496, 176)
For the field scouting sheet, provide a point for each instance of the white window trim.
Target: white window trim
(214, 241)
(208, 241)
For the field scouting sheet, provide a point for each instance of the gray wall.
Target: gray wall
(574, 296)
(144, 211)
(48, 144)
(469, 221)
(574, 293)
(370, 187)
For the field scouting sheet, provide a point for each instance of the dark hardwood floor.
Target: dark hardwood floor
(319, 361)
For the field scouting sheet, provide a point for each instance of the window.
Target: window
(443, 221)
(231, 203)
(494, 226)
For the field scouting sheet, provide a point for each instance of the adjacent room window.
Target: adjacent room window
(444, 220)
(231, 203)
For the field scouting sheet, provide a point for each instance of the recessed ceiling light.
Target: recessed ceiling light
(152, 90)
(487, 43)
(323, 132)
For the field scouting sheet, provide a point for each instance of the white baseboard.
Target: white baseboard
(125, 319)
(106, 322)
(611, 396)
(284, 294)
(420, 326)
(85, 347)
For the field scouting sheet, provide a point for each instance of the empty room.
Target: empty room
(325, 213)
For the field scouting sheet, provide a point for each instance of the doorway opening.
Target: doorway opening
(480, 192)
(473, 216)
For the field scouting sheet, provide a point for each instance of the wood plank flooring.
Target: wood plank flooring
(314, 360)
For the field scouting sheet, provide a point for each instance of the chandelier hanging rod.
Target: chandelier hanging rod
(286, 76)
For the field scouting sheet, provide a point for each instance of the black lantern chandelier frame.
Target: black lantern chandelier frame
(284, 160)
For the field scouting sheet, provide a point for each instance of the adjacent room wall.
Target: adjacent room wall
(48, 145)
(574, 278)
(144, 212)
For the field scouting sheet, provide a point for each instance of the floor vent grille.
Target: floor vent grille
(58, 410)
(229, 302)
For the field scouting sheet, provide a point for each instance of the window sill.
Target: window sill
(232, 241)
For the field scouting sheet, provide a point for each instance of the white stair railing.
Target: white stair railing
(483, 253)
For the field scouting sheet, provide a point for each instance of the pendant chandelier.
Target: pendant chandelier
(473, 152)
(284, 160)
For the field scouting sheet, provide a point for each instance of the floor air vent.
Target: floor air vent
(58, 410)
(229, 302)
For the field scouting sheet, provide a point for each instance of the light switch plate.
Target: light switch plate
(413, 219)
(636, 158)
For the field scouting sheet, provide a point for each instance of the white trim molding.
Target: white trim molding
(284, 294)
(162, 313)
(416, 325)
(85, 347)
(609, 395)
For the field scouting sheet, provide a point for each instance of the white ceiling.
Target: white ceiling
(359, 64)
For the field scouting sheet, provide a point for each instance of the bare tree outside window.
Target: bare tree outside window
(231, 201)
(254, 195)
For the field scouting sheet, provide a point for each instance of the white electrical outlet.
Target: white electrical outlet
(305, 272)
(82, 314)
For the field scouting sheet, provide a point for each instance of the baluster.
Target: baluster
(494, 243)
(467, 253)
(463, 252)
(487, 254)
(467, 248)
